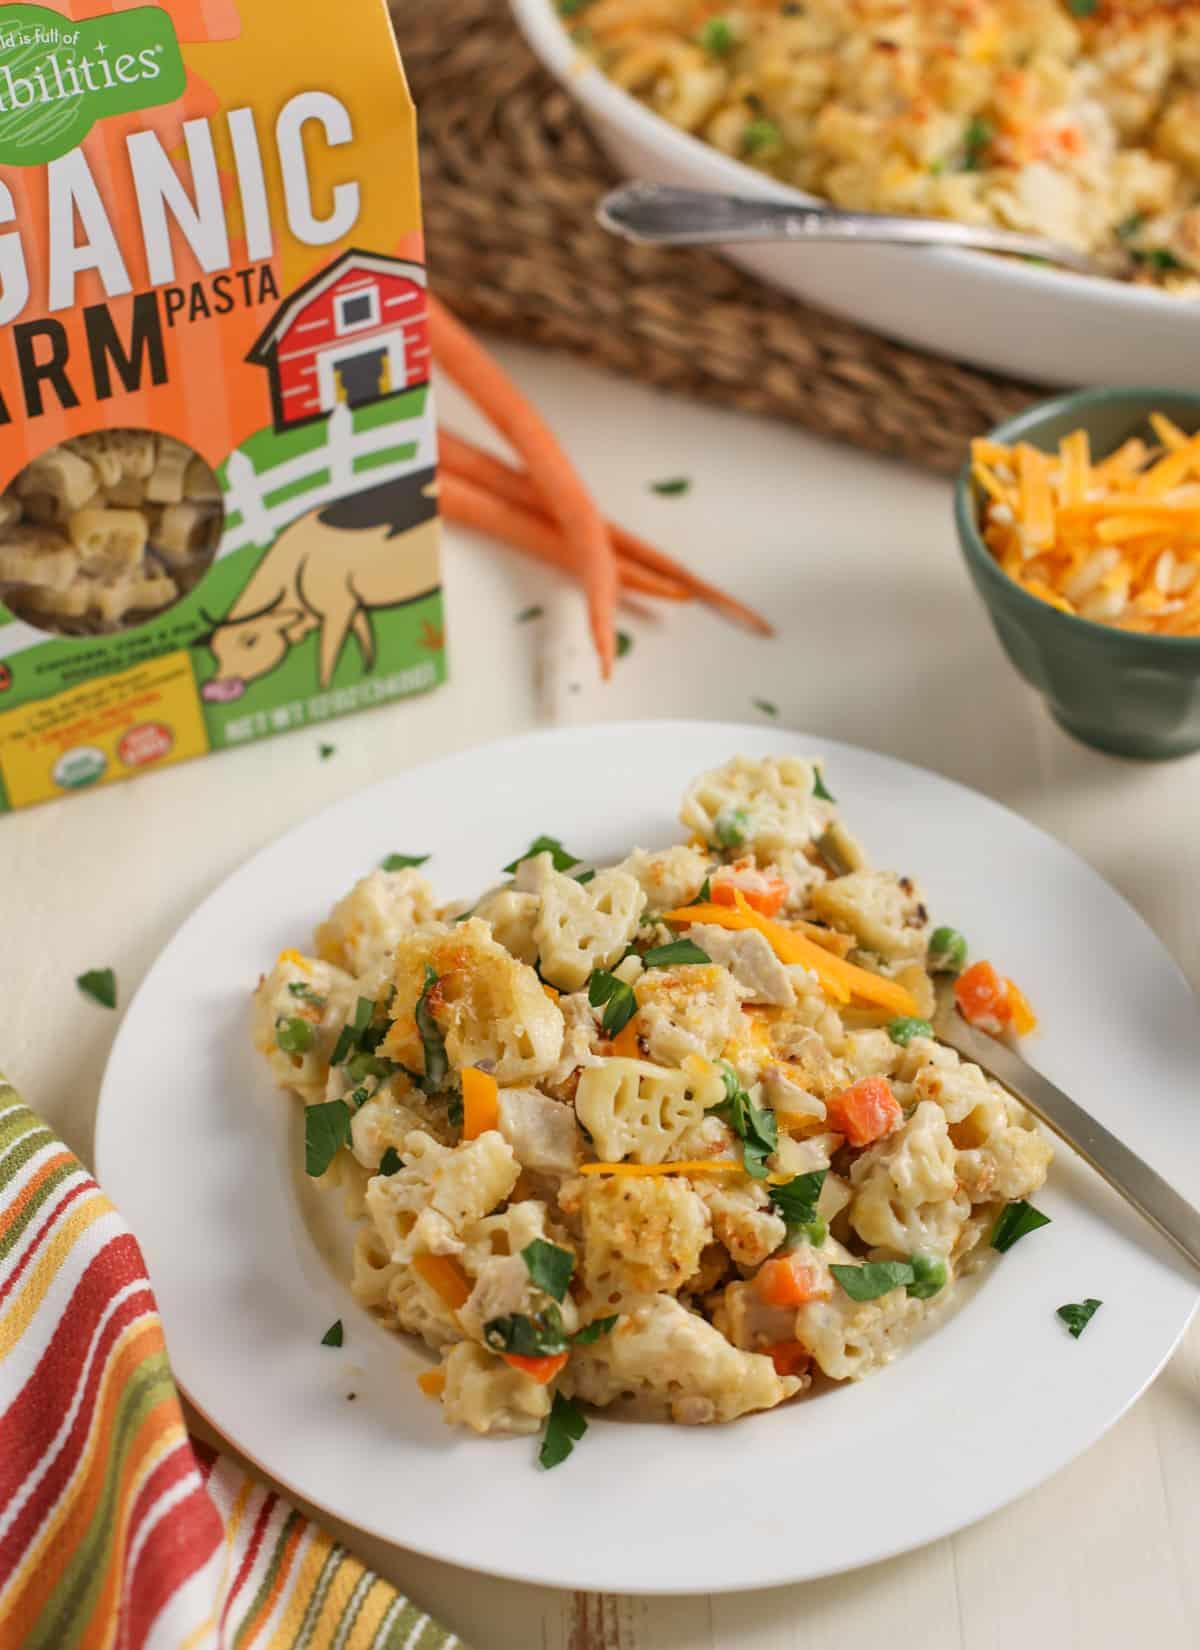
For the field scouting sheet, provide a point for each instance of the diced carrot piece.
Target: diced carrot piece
(625, 1043)
(866, 1111)
(432, 1383)
(790, 1281)
(789, 1357)
(1024, 1020)
(766, 896)
(540, 1369)
(481, 1102)
(983, 999)
(445, 1277)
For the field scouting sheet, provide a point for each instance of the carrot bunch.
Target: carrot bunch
(545, 509)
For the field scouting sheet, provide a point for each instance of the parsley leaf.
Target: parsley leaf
(877, 1277)
(757, 1130)
(390, 1162)
(527, 613)
(1082, 8)
(673, 487)
(326, 1128)
(565, 1426)
(592, 1332)
(561, 859)
(100, 984)
(717, 38)
(538, 1336)
(401, 862)
(976, 138)
(301, 989)
(1078, 1314)
(767, 706)
(759, 134)
(436, 1064)
(293, 1035)
(1129, 226)
(549, 1267)
(327, 751)
(730, 827)
(704, 897)
(1158, 257)
(679, 951)
(624, 643)
(334, 1335)
(820, 789)
(1016, 1221)
(620, 1004)
(796, 1199)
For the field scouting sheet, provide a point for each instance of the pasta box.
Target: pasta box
(218, 515)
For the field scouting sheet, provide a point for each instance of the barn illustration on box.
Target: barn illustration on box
(356, 332)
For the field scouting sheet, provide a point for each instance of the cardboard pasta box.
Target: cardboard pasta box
(217, 446)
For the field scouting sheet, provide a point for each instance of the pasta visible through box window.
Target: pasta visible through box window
(602, 1157)
(107, 530)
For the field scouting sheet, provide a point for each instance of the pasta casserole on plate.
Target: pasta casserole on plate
(672, 1137)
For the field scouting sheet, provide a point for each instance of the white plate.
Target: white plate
(205, 1160)
(1017, 318)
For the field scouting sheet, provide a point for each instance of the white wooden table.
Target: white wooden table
(882, 642)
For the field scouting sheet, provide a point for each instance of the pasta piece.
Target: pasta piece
(325, 1001)
(127, 493)
(425, 1206)
(744, 1220)
(164, 484)
(386, 1119)
(906, 1191)
(884, 912)
(512, 917)
(420, 1310)
(363, 929)
(848, 1339)
(670, 878)
(676, 1365)
(580, 926)
(68, 478)
(636, 1110)
(108, 540)
(199, 483)
(640, 1236)
(691, 1010)
(373, 1271)
(37, 556)
(767, 807)
(181, 532)
(490, 1009)
(486, 1394)
(10, 511)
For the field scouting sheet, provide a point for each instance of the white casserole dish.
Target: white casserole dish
(1019, 319)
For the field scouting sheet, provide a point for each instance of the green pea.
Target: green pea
(730, 827)
(929, 1276)
(293, 1035)
(947, 951)
(903, 1031)
(758, 135)
(717, 37)
(814, 1232)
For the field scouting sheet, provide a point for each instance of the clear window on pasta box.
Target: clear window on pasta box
(218, 485)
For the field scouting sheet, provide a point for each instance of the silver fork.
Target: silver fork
(1140, 1185)
(661, 215)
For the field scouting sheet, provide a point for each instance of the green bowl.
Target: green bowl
(1131, 694)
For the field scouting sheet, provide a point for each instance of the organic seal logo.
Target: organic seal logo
(58, 78)
(79, 767)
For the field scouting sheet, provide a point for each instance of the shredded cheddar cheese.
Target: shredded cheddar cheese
(432, 1382)
(708, 1165)
(1116, 541)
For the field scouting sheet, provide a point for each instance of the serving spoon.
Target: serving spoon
(1140, 1185)
(654, 214)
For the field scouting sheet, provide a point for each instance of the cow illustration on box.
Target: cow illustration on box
(356, 332)
(327, 573)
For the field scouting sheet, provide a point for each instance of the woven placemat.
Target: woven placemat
(511, 177)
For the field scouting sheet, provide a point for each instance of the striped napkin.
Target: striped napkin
(117, 1530)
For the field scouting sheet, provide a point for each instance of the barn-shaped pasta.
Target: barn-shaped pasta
(639, 1236)
(365, 926)
(580, 926)
(633, 1109)
(769, 807)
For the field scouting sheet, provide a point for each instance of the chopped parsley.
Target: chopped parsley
(717, 37)
(334, 1335)
(1158, 257)
(1082, 8)
(820, 790)
(391, 1162)
(538, 1336)
(976, 139)
(673, 487)
(704, 897)
(767, 706)
(670, 956)
(326, 751)
(437, 1066)
(617, 999)
(592, 1332)
(326, 1130)
(757, 1130)
(565, 1424)
(293, 1035)
(301, 989)
(796, 1199)
(908, 1026)
(1078, 1314)
(1130, 226)
(1016, 1221)
(549, 1267)
(730, 827)
(624, 643)
(100, 984)
(758, 135)
(875, 1278)
(358, 1098)
(527, 613)
(401, 862)
(560, 858)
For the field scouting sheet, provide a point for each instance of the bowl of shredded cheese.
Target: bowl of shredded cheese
(1080, 524)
